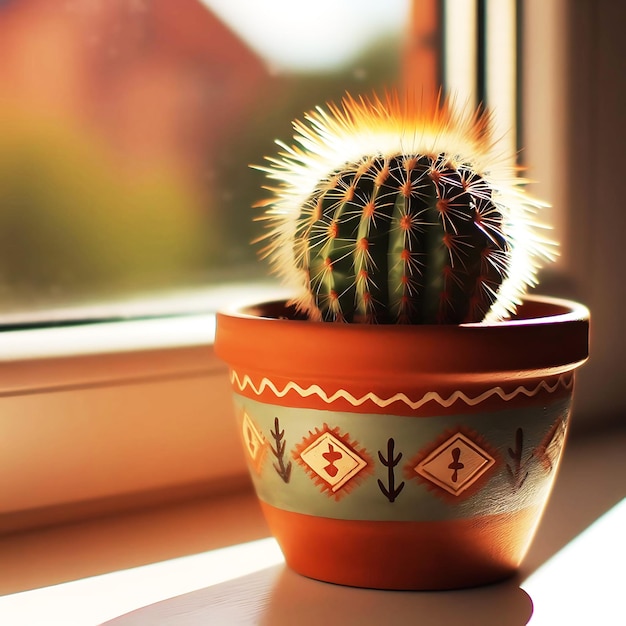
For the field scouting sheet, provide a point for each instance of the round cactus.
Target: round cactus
(389, 214)
(408, 238)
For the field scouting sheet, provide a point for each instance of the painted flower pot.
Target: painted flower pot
(404, 457)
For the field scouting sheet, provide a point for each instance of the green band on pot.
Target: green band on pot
(373, 467)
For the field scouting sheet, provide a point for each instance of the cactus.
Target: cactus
(408, 238)
(386, 213)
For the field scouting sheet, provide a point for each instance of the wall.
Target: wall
(575, 98)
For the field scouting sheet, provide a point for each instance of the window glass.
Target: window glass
(127, 128)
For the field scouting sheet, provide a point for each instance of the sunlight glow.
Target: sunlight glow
(311, 36)
(460, 50)
(501, 71)
(565, 589)
(91, 601)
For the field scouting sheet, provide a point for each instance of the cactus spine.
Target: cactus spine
(385, 214)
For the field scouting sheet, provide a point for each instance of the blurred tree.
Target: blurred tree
(126, 131)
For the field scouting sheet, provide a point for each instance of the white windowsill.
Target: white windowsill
(109, 407)
(175, 319)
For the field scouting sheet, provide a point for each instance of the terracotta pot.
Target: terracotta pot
(404, 457)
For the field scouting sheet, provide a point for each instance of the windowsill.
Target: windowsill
(107, 408)
(570, 576)
(144, 323)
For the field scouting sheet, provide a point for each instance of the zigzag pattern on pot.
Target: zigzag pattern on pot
(565, 380)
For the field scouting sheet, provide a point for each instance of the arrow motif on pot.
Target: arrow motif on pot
(282, 469)
(518, 471)
(390, 491)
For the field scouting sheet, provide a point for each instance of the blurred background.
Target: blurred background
(127, 128)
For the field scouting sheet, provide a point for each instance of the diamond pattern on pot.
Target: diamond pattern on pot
(332, 461)
(456, 464)
(550, 448)
(255, 443)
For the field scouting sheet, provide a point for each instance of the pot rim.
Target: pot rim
(548, 336)
(564, 310)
